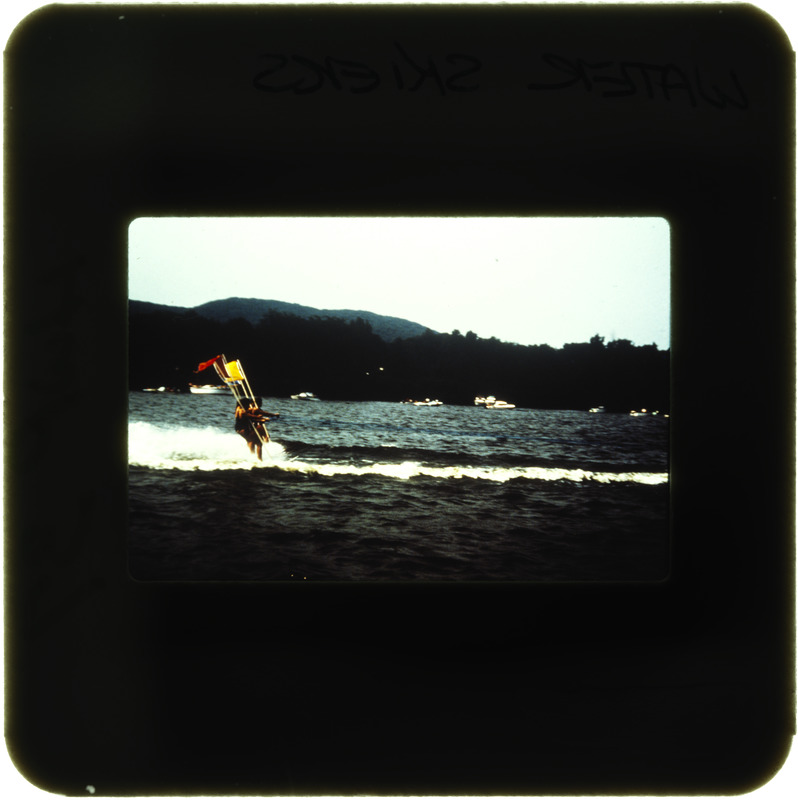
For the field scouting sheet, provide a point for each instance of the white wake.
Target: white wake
(412, 469)
(194, 448)
(181, 448)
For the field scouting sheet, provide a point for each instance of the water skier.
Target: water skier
(249, 422)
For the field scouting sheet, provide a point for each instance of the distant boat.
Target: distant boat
(499, 404)
(597, 410)
(304, 396)
(208, 388)
(644, 413)
(491, 402)
(168, 389)
(427, 402)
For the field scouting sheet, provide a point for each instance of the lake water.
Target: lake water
(369, 491)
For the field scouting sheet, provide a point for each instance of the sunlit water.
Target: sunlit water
(386, 491)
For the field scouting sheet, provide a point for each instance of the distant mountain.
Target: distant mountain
(253, 310)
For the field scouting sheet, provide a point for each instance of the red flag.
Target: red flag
(206, 364)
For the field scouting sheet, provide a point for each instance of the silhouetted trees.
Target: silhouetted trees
(284, 354)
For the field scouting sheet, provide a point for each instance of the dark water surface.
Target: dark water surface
(394, 492)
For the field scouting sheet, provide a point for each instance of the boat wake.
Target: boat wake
(412, 469)
(209, 449)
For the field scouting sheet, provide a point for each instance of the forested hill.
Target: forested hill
(346, 360)
(253, 310)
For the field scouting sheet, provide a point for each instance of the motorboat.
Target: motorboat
(491, 402)
(304, 396)
(427, 402)
(208, 388)
(499, 404)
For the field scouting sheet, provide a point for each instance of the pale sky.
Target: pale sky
(525, 280)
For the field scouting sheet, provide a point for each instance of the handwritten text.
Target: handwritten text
(302, 75)
(655, 81)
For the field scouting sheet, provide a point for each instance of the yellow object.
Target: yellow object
(234, 371)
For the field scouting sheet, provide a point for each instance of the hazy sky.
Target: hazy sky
(526, 280)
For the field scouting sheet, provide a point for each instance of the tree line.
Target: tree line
(345, 360)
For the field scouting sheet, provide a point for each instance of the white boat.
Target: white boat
(208, 388)
(304, 396)
(491, 402)
(428, 402)
(597, 410)
(499, 404)
(644, 413)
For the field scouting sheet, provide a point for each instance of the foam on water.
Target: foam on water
(172, 447)
(411, 469)
(181, 448)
